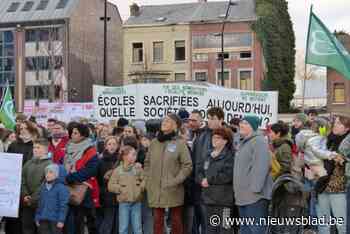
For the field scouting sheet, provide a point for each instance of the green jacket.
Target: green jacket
(167, 165)
(127, 183)
(283, 152)
(33, 175)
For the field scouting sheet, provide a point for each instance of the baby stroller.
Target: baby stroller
(289, 200)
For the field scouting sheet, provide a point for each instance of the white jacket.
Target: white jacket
(313, 146)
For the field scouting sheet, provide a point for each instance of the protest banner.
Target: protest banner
(10, 184)
(62, 111)
(152, 101)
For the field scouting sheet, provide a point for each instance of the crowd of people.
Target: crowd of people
(172, 175)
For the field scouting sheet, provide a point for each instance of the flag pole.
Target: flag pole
(306, 55)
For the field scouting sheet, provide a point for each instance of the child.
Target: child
(127, 181)
(105, 168)
(33, 175)
(53, 203)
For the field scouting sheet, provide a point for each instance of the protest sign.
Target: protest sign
(10, 184)
(152, 101)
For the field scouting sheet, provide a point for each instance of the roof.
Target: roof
(49, 10)
(192, 13)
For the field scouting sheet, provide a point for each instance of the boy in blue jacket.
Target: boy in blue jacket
(53, 202)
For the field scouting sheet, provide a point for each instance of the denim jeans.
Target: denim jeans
(147, 217)
(328, 204)
(127, 212)
(256, 210)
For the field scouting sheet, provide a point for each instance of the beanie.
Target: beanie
(253, 121)
(53, 168)
(302, 117)
(122, 122)
(175, 118)
(183, 114)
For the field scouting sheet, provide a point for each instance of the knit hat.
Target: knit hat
(122, 122)
(176, 118)
(53, 168)
(183, 114)
(302, 117)
(253, 121)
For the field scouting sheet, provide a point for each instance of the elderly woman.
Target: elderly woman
(81, 163)
(216, 175)
(167, 165)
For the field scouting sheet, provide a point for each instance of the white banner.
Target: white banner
(65, 112)
(10, 184)
(151, 101)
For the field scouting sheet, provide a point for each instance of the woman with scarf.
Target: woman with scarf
(27, 133)
(167, 165)
(81, 163)
(332, 188)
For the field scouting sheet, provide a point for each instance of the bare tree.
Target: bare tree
(305, 72)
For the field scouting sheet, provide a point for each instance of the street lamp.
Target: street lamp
(105, 20)
(230, 3)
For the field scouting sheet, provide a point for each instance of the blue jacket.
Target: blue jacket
(53, 203)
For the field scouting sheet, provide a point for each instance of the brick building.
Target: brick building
(53, 49)
(338, 100)
(182, 38)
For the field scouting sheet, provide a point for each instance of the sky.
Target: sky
(334, 14)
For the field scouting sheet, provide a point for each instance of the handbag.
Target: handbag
(77, 193)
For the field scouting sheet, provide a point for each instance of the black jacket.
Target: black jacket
(19, 147)
(219, 174)
(107, 162)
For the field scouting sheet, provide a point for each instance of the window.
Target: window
(245, 55)
(8, 37)
(42, 5)
(137, 53)
(200, 57)
(62, 4)
(339, 93)
(7, 61)
(180, 51)
(31, 35)
(226, 56)
(13, 7)
(180, 76)
(27, 6)
(200, 76)
(245, 80)
(226, 79)
(158, 52)
(37, 92)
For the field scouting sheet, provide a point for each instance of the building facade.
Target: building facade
(338, 100)
(179, 42)
(54, 49)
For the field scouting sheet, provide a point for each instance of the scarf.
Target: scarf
(334, 141)
(166, 137)
(74, 152)
(48, 186)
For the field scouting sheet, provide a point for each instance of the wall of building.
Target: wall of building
(86, 48)
(147, 35)
(234, 64)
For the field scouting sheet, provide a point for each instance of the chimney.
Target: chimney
(134, 10)
(202, 1)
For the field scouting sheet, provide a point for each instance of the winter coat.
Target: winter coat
(33, 175)
(53, 203)
(107, 163)
(219, 174)
(252, 181)
(19, 147)
(167, 165)
(201, 148)
(283, 151)
(59, 151)
(86, 171)
(313, 146)
(127, 183)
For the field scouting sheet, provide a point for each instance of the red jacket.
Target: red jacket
(59, 151)
(95, 190)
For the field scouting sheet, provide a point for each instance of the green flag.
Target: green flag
(324, 49)
(7, 111)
